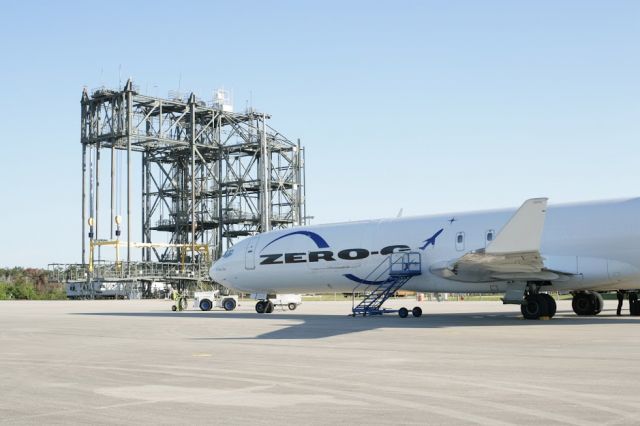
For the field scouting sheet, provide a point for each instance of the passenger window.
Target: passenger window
(460, 241)
(489, 236)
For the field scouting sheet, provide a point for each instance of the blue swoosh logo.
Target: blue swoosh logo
(317, 239)
(361, 281)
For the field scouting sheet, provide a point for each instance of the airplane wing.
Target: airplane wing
(514, 255)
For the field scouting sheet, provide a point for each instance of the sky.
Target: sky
(428, 106)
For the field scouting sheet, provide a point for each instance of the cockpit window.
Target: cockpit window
(228, 253)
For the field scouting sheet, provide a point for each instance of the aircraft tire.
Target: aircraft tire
(551, 304)
(292, 306)
(534, 307)
(584, 304)
(229, 304)
(206, 305)
(598, 302)
(268, 308)
(261, 306)
(416, 312)
(403, 312)
(634, 307)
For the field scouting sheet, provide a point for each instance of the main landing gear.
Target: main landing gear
(587, 303)
(533, 304)
(538, 305)
(634, 304)
(264, 307)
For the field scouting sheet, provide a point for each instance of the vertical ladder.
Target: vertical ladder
(400, 268)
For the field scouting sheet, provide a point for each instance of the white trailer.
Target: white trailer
(292, 301)
(207, 300)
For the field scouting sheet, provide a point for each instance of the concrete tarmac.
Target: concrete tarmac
(136, 362)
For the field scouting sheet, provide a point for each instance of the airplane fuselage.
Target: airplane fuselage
(595, 245)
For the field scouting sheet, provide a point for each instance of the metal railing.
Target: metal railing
(405, 263)
(132, 271)
(391, 268)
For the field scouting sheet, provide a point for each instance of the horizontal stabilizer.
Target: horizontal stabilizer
(523, 232)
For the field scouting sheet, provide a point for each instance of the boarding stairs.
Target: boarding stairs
(386, 278)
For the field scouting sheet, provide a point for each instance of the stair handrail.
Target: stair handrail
(367, 278)
(410, 265)
(392, 259)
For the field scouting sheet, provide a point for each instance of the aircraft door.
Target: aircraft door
(249, 254)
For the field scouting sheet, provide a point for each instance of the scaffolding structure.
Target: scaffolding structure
(202, 175)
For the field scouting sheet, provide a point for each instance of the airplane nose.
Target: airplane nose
(217, 272)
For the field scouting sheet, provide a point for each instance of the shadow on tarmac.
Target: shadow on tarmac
(321, 326)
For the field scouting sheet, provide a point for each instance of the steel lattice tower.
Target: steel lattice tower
(208, 175)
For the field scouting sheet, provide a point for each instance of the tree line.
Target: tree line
(28, 284)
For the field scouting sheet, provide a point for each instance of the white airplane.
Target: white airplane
(582, 248)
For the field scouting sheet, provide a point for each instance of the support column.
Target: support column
(113, 190)
(298, 202)
(143, 208)
(129, 131)
(192, 102)
(84, 203)
(97, 195)
(304, 187)
(147, 218)
(265, 168)
(220, 218)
